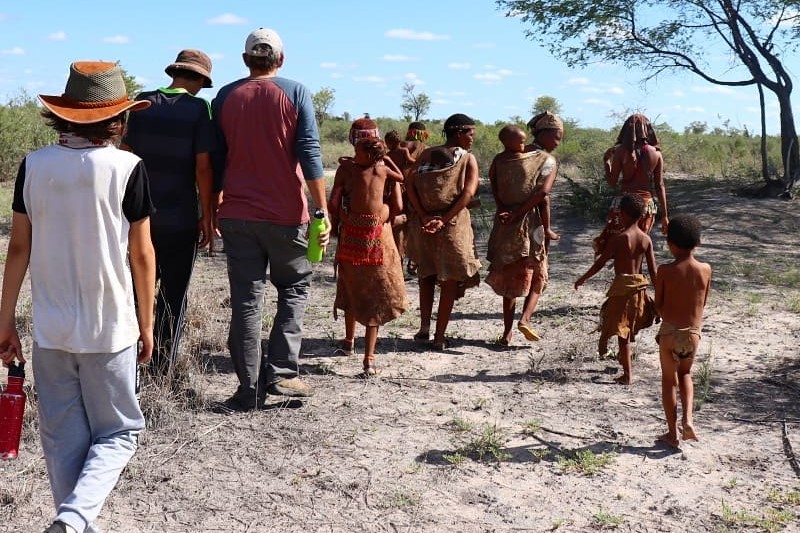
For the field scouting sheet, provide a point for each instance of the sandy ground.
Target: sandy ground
(563, 448)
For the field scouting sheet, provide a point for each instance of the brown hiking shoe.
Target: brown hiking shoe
(295, 387)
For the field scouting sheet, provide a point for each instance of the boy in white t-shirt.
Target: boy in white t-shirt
(81, 216)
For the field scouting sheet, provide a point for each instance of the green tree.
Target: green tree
(415, 105)
(131, 85)
(661, 36)
(323, 102)
(546, 103)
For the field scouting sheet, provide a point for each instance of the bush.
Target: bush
(22, 129)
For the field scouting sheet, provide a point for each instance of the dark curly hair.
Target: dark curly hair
(632, 205)
(684, 231)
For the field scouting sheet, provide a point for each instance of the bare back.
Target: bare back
(636, 172)
(629, 249)
(682, 291)
(364, 186)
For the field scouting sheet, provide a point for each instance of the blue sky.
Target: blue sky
(465, 55)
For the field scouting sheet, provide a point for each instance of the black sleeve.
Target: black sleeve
(136, 204)
(18, 204)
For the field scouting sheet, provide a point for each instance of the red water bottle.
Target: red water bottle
(12, 409)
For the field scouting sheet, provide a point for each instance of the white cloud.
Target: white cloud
(413, 78)
(227, 19)
(459, 66)
(336, 75)
(578, 81)
(370, 79)
(689, 109)
(597, 102)
(328, 64)
(504, 72)
(712, 89)
(440, 101)
(398, 58)
(403, 33)
(58, 36)
(215, 56)
(488, 76)
(678, 93)
(16, 51)
(117, 39)
(594, 89)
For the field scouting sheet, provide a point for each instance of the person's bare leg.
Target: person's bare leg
(347, 345)
(447, 298)
(669, 382)
(509, 308)
(687, 397)
(624, 359)
(370, 340)
(528, 307)
(426, 290)
(544, 213)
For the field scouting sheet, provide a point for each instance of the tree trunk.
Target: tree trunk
(789, 149)
(764, 162)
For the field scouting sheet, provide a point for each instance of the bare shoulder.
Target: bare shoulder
(704, 269)
(666, 270)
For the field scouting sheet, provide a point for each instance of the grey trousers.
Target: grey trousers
(250, 248)
(89, 421)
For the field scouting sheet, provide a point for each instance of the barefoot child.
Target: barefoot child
(681, 294)
(402, 157)
(628, 308)
(517, 251)
(370, 286)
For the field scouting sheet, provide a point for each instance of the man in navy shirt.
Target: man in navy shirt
(175, 138)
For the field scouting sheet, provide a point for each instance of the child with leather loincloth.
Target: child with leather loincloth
(681, 294)
(370, 288)
(628, 308)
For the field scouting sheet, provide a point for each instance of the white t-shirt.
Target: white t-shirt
(81, 284)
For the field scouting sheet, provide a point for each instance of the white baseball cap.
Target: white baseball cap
(259, 39)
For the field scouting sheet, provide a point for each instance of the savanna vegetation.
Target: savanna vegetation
(719, 152)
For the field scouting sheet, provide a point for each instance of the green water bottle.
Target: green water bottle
(315, 227)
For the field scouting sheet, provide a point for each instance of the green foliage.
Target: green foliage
(415, 105)
(21, 130)
(769, 519)
(675, 35)
(323, 101)
(546, 103)
(6, 196)
(605, 520)
(132, 86)
(727, 154)
(585, 461)
(486, 444)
